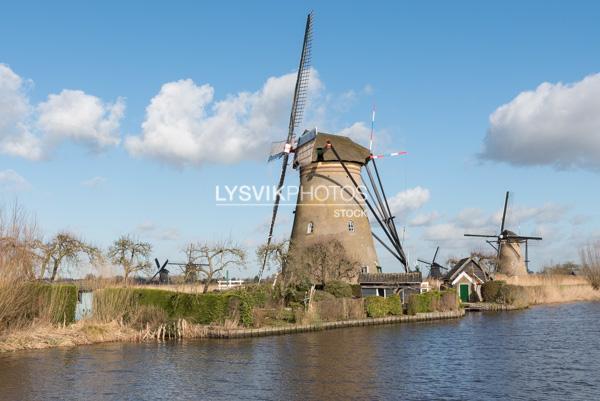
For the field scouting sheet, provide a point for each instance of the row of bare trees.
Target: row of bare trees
(25, 255)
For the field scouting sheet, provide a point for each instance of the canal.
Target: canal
(543, 353)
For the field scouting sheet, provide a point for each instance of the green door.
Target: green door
(464, 292)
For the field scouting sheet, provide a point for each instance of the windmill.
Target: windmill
(162, 272)
(435, 269)
(508, 247)
(335, 161)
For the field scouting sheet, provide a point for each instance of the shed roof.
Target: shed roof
(469, 266)
(390, 278)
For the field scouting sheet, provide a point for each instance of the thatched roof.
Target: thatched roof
(348, 150)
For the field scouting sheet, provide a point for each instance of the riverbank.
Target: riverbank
(87, 332)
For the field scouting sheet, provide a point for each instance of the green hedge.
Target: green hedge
(422, 303)
(381, 307)
(490, 291)
(338, 289)
(196, 308)
(55, 303)
(502, 293)
(432, 301)
(62, 302)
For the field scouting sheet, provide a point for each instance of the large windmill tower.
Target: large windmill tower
(508, 247)
(332, 200)
(329, 207)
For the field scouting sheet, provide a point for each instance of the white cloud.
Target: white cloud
(32, 132)
(10, 180)
(409, 200)
(93, 182)
(555, 124)
(443, 232)
(424, 219)
(75, 115)
(15, 111)
(184, 125)
(358, 132)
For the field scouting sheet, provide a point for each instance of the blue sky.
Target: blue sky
(436, 71)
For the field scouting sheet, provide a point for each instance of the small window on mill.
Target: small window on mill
(351, 226)
(310, 228)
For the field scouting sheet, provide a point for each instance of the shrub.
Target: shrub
(322, 295)
(381, 307)
(418, 303)
(448, 301)
(340, 309)
(338, 289)
(490, 291)
(149, 316)
(513, 295)
(356, 290)
(432, 301)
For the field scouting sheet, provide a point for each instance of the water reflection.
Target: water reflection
(545, 353)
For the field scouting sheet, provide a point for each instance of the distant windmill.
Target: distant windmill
(162, 272)
(508, 247)
(435, 269)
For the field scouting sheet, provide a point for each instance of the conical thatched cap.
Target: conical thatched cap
(348, 150)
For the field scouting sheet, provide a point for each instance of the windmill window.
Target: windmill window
(351, 226)
(310, 228)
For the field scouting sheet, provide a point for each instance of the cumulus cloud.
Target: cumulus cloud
(409, 200)
(33, 131)
(75, 115)
(358, 132)
(10, 180)
(424, 219)
(555, 124)
(184, 124)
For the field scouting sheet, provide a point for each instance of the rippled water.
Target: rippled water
(544, 353)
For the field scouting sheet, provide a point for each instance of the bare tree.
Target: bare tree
(487, 260)
(132, 255)
(590, 264)
(210, 260)
(275, 254)
(64, 247)
(190, 269)
(320, 263)
(18, 237)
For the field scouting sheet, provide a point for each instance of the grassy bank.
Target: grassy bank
(553, 288)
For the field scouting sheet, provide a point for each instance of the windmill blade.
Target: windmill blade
(481, 235)
(435, 255)
(164, 264)
(157, 263)
(504, 212)
(424, 261)
(519, 237)
(298, 104)
(278, 149)
(392, 154)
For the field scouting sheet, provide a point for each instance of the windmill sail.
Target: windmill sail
(298, 104)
